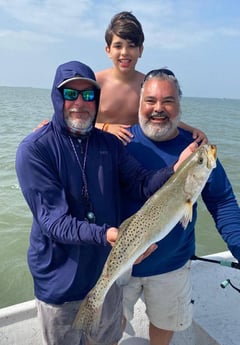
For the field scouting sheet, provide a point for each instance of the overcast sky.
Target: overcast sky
(198, 39)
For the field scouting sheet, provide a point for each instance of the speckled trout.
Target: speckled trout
(171, 204)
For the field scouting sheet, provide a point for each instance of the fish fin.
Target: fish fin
(187, 217)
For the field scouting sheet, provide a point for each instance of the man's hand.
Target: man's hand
(199, 136)
(185, 154)
(112, 234)
(146, 253)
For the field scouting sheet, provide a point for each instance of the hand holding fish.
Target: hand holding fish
(185, 154)
(199, 136)
(112, 234)
(147, 252)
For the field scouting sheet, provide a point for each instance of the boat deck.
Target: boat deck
(215, 322)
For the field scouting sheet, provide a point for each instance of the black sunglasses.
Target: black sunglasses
(72, 94)
(159, 71)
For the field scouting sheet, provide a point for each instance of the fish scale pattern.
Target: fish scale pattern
(151, 223)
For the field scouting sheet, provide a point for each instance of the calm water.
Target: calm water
(23, 108)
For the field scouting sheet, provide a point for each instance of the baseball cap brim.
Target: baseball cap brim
(79, 78)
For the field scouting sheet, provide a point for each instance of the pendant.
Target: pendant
(90, 217)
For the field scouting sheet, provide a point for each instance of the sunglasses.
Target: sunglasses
(159, 71)
(72, 95)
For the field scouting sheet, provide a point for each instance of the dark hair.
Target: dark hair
(125, 25)
(163, 74)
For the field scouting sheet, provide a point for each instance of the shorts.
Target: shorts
(56, 321)
(167, 298)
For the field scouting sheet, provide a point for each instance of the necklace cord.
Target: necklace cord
(85, 193)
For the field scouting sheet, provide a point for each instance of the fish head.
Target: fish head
(198, 169)
(211, 155)
(206, 155)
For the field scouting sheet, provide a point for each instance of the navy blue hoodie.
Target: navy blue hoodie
(66, 254)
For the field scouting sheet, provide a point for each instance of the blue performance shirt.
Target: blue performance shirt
(179, 245)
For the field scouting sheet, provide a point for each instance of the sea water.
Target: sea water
(22, 109)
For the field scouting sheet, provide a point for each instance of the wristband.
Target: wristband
(105, 127)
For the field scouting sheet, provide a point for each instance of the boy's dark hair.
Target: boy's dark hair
(126, 26)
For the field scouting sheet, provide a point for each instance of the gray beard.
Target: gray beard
(79, 130)
(157, 132)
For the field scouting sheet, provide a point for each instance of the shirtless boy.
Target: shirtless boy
(121, 83)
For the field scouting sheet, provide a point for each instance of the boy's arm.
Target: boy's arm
(41, 124)
(197, 134)
(121, 131)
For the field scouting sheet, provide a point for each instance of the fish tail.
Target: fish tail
(88, 316)
(96, 321)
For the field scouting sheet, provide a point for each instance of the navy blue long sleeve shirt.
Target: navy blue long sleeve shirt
(179, 245)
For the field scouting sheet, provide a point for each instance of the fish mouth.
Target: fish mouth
(212, 155)
(213, 149)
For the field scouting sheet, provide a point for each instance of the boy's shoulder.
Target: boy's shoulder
(108, 75)
(139, 76)
(102, 75)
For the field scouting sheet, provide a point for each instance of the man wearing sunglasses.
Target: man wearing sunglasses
(163, 277)
(71, 175)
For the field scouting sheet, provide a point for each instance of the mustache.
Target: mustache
(76, 110)
(159, 115)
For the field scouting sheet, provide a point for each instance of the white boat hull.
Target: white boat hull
(215, 322)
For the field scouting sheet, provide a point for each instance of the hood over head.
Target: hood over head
(72, 70)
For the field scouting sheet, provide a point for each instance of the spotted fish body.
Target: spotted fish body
(158, 216)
